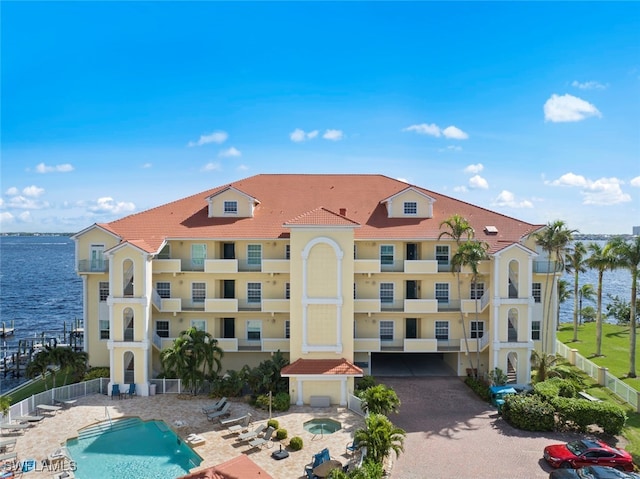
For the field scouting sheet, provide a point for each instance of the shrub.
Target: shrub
(498, 377)
(281, 402)
(229, 385)
(295, 443)
(281, 434)
(365, 382)
(478, 386)
(580, 414)
(273, 423)
(95, 373)
(554, 387)
(528, 412)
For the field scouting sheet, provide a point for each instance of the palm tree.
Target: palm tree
(601, 259)
(564, 293)
(586, 292)
(457, 228)
(380, 437)
(553, 240)
(40, 365)
(575, 260)
(628, 254)
(380, 399)
(551, 365)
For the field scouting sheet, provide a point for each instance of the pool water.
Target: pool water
(131, 448)
(322, 426)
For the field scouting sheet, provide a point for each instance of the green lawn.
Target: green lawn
(615, 348)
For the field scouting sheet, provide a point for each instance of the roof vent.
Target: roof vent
(343, 212)
(491, 230)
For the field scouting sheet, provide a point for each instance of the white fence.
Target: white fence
(601, 375)
(354, 403)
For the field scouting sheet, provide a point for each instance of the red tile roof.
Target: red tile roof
(321, 366)
(320, 217)
(282, 198)
(240, 467)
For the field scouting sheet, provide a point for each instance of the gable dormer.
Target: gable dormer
(409, 203)
(231, 203)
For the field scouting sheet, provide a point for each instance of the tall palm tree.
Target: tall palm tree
(564, 293)
(458, 227)
(380, 437)
(587, 292)
(601, 259)
(628, 255)
(40, 365)
(553, 240)
(575, 260)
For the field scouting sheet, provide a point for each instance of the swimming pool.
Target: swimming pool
(131, 448)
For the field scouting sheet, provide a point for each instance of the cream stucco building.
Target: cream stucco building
(341, 273)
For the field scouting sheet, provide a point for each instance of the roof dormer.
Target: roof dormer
(231, 203)
(409, 203)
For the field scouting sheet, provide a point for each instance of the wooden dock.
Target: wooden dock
(7, 331)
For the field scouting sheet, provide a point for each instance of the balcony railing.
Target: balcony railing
(474, 344)
(276, 305)
(420, 266)
(420, 306)
(166, 266)
(221, 266)
(93, 266)
(420, 345)
(366, 344)
(366, 266)
(275, 266)
(221, 305)
(547, 267)
(275, 344)
(228, 344)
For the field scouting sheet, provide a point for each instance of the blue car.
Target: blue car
(592, 472)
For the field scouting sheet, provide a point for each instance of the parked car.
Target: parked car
(587, 452)
(592, 472)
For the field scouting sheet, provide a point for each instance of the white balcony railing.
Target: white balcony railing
(275, 344)
(366, 344)
(276, 305)
(420, 345)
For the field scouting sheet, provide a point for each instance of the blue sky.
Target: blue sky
(529, 109)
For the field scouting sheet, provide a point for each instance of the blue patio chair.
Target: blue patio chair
(115, 391)
(132, 390)
(318, 459)
(352, 447)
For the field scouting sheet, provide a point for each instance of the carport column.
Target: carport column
(299, 401)
(343, 392)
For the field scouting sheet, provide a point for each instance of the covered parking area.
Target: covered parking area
(412, 364)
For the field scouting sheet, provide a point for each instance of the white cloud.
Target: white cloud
(6, 218)
(424, 129)
(451, 132)
(477, 182)
(108, 205)
(215, 137)
(567, 108)
(508, 199)
(25, 203)
(588, 85)
(473, 169)
(454, 133)
(230, 152)
(64, 168)
(242, 168)
(603, 191)
(147, 165)
(25, 217)
(635, 182)
(211, 166)
(333, 135)
(460, 189)
(299, 135)
(33, 191)
(12, 191)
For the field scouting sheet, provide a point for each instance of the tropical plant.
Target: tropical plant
(601, 259)
(620, 310)
(498, 377)
(587, 292)
(551, 366)
(380, 437)
(628, 257)
(564, 293)
(5, 405)
(266, 376)
(368, 470)
(575, 264)
(380, 399)
(71, 362)
(553, 239)
(193, 357)
(458, 227)
(40, 365)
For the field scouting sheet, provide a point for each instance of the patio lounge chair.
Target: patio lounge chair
(6, 444)
(115, 391)
(245, 436)
(222, 412)
(13, 427)
(8, 456)
(215, 406)
(261, 441)
(244, 424)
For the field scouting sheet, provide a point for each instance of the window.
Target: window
(442, 254)
(104, 329)
(254, 330)
(103, 288)
(162, 328)
(535, 330)
(410, 208)
(198, 255)
(536, 292)
(442, 330)
(386, 254)
(287, 290)
(442, 292)
(254, 292)
(287, 330)
(287, 251)
(199, 324)
(386, 293)
(477, 290)
(198, 292)
(477, 329)
(230, 207)
(164, 289)
(254, 254)
(386, 330)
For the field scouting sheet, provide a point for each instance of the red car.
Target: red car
(587, 452)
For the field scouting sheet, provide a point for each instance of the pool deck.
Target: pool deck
(184, 415)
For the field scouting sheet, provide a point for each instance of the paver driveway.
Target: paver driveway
(451, 433)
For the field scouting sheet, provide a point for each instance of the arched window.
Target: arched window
(512, 325)
(129, 367)
(127, 278)
(127, 324)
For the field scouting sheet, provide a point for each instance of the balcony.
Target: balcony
(472, 345)
(420, 306)
(275, 344)
(448, 306)
(166, 305)
(547, 267)
(228, 344)
(273, 266)
(93, 266)
(366, 266)
(366, 345)
(366, 305)
(221, 305)
(420, 345)
(394, 266)
(420, 266)
(166, 266)
(276, 305)
(221, 266)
